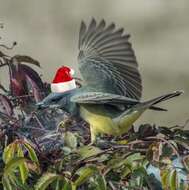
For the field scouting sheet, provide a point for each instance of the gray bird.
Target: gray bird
(110, 98)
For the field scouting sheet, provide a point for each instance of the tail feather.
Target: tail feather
(157, 108)
(151, 103)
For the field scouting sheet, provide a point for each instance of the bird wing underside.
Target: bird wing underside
(120, 102)
(107, 61)
(102, 98)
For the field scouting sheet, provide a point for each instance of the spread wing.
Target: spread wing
(108, 99)
(107, 61)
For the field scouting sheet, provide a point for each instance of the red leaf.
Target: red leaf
(35, 89)
(18, 87)
(32, 74)
(19, 73)
(6, 104)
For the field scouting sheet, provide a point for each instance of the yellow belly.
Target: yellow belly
(102, 121)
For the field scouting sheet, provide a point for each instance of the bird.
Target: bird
(110, 98)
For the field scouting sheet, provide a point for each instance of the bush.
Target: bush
(45, 149)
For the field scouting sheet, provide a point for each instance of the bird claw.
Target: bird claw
(65, 123)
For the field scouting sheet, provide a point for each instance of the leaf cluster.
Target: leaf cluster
(48, 150)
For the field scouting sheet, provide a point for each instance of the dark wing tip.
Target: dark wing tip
(93, 21)
(92, 26)
(82, 32)
(111, 27)
(83, 26)
(102, 23)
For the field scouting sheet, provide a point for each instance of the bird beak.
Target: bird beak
(40, 106)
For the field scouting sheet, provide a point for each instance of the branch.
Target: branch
(3, 88)
(7, 47)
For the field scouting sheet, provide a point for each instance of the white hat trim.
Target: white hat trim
(63, 86)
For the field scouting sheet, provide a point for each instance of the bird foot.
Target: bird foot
(67, 122)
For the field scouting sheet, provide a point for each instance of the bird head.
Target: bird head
(61, 86)
(52, 100)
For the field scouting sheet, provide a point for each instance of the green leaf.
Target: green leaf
(14, 163)
(164, 178)
(6, 183)
(128, 161)
(101, 182)
(73, 186)
(84, 174)
(31, 153)
(141, 172)
(66, 150)
(67, 186)
(46, 180)
(13, 179)
(22, 167)
(173, 180)
(88, 151)
(8, 153)
(57, 184)
(126, 171)
(18, 184)
(134, 157)
(70, 140)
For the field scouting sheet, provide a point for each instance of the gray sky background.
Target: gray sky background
(47, 30)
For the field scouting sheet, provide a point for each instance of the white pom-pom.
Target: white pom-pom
(72, 71)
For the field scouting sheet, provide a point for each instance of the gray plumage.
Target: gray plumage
(110, 99)
(107, 61)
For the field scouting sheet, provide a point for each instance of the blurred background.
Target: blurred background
(47, 30)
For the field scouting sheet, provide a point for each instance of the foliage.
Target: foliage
(46, 150)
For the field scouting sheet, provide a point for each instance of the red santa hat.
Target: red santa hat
(63, 80)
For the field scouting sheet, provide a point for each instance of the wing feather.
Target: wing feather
(107, 61)
(82, 32)
(102, 98)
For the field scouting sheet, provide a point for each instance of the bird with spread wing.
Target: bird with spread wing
(110, 98)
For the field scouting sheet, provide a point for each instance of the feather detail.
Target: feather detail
(107, 60)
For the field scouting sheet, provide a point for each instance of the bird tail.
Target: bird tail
(152, 102)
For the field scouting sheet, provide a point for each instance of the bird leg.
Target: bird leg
(93, 135)
(67, 122)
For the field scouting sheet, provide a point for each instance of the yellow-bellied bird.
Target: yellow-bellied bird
(110, 98)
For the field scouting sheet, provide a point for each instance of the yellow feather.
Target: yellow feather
(103, 121)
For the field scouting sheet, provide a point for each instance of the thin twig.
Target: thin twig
(180, 126)
(3, 64)
(111, 185)
(7, 47)
(38, 121)
(35, 128)
(23, 96)
(3, 88)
